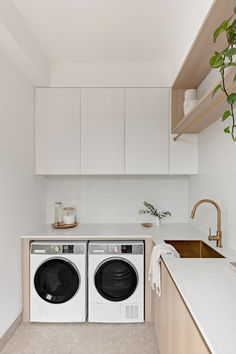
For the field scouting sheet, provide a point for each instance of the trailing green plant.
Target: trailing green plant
(223, 60)
(150, 209)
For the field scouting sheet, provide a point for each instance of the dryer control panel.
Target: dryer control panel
(113, 247)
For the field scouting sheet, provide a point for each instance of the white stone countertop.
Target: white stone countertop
(208, 286)
(93, 230)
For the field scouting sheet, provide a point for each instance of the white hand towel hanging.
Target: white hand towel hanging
(154, 274)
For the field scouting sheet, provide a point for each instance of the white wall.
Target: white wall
(193, 17)
(22, 201)
(217, 175)
(115, 198)
(110, 74)
(118, 198)
(20, 46)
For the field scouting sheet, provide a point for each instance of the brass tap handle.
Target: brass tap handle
(218, 236)
(210, 237)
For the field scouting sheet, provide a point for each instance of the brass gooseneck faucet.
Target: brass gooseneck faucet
(218, 236)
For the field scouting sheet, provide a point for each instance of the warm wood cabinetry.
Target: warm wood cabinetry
(175, 328)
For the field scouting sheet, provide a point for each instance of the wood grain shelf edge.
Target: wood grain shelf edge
(208, 110)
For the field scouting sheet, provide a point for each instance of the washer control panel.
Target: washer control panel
(126, 248)
(57, 248)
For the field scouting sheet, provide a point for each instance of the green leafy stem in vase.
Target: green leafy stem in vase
(223, 60)
(150, 209)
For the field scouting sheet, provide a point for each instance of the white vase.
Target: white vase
(190, 95)
(157, 221)
(190, 100)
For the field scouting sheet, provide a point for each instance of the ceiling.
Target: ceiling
(111, 30)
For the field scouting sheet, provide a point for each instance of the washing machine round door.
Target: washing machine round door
(56, 280)
(116, 279)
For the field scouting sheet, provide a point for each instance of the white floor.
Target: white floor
(83, 338)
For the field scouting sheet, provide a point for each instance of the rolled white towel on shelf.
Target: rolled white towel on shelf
(154, 274)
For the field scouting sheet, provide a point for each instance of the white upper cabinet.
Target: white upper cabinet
(147, 130)
(102, 127)
(109, 131)
(184, 155)
(57, 131)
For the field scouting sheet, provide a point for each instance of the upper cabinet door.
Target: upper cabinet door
(102, 126)
(57, 131)
(147, 130)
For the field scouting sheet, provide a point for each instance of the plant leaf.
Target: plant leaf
(222, 27)
(216, 61)
(235, 10)
(144, 211)
(212, 61)
(225, 115)
(231, 52)
(231, 98)
(226, 130)
(230, 33)
(232, 26)
(151, 210)
(217, 32)
(215, 90)
(235, 77)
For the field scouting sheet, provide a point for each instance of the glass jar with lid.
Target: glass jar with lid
(59, 213)
(69, 216)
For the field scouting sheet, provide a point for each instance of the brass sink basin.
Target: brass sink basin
(194, 249)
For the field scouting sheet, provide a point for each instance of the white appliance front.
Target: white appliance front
(116, 281)
(58, 281)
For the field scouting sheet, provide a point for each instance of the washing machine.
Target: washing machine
(116, 281)
(58, 281)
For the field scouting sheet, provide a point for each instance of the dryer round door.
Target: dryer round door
(116, 279)
(56, 280)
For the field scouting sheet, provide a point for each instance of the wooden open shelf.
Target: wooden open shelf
(193, 71)
(208, 109)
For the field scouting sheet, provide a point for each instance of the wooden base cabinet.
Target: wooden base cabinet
(175, 328)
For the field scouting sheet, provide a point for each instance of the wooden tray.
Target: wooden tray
(146, 224)
(64, 226)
